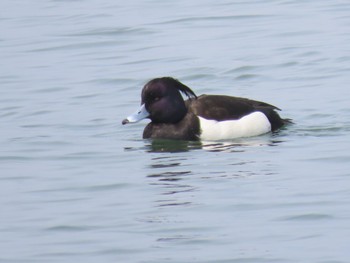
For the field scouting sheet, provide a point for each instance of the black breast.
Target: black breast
(186, 129)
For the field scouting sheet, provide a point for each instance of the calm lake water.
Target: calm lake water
(77, 186)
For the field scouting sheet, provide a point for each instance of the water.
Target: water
(77, 186)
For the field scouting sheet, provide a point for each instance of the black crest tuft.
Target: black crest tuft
(181, 87)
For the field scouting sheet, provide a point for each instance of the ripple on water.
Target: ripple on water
(308, 217)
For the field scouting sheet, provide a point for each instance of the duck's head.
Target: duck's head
(161, 101)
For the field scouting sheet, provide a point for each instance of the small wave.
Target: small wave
(307, 217)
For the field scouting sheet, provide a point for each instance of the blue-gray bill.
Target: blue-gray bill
(139, 115)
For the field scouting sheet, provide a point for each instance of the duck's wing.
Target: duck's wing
(221, 108)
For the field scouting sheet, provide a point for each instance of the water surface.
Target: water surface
(77, 186)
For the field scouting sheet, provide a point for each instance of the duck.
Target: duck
(201, 118)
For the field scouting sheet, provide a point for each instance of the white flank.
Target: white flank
(253, 124)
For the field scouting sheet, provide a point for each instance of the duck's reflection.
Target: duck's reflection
(161, 145)
(169, 176)
(180, 172)
(170, 180)
(238, 145)
(173, 172)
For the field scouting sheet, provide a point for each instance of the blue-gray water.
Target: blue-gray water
(77, 186)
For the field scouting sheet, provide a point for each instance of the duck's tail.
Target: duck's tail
(275, 119)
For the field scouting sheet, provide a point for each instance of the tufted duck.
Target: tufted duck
(207, 117)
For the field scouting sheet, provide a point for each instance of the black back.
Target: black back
(222, 108)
